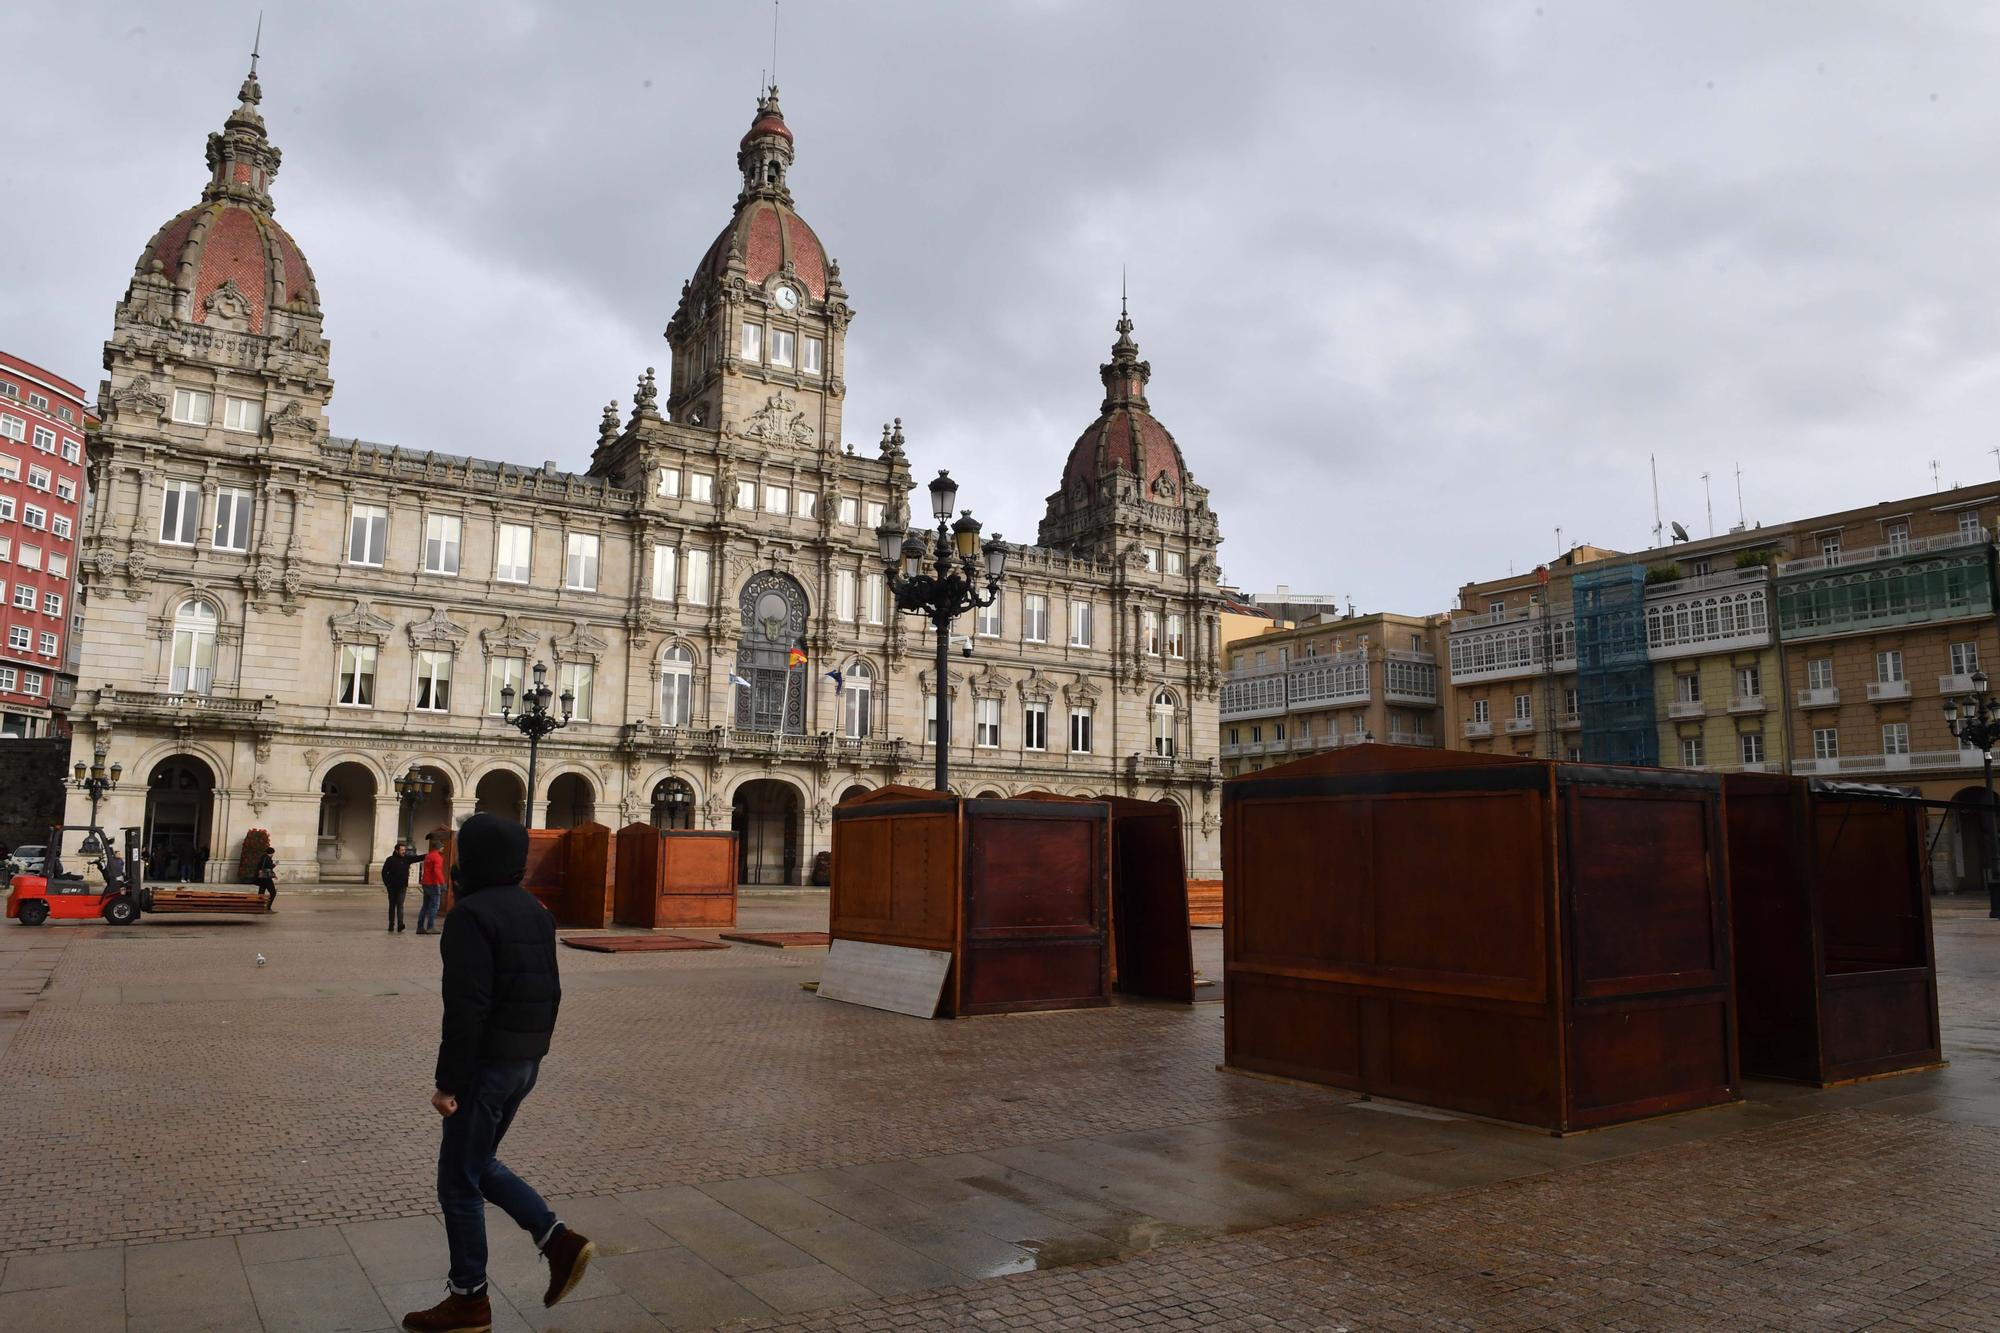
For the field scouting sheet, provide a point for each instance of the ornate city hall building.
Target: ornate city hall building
(279, 622)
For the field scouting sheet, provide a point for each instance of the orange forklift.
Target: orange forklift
(82, 886)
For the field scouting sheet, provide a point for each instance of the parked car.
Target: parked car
(27, 859)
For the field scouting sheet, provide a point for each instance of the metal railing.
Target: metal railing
(1862, 555)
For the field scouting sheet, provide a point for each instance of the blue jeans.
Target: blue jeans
(470, 1176)
(427, 914)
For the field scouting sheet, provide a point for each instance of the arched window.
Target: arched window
(673, 804)
(194, 648)
(677, 687)
(858, 687)
(1164, 729)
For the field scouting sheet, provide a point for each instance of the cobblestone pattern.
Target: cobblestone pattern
(1846, 1220)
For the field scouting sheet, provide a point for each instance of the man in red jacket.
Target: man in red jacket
(431, 880)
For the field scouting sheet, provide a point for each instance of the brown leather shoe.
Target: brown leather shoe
(568, 1254)
(453, 1314)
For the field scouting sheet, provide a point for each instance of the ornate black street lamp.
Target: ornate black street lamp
(535, 721)
(94, 779)
(411, 788)
(946, 591)
(1975, 721)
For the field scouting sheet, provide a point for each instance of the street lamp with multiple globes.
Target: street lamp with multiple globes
(1975, 721)
(958, 564)
(535, 721)
(411, 788)
(94, 779)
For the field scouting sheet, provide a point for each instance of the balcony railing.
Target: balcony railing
(1412, 738)
(1518, 726)
(1826, 697)
(1955, 684)
(1848, 764)
(1862, 555)
(1476, 730)
(1723, 578)
(158, 703)
(1680, 709)
(1880, 691)
(1747, 703)
(821, 748)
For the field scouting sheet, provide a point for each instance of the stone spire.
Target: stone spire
(242, 162)
(1124, 375)
(766, 153)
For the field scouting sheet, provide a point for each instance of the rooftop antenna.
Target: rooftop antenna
(1655, 463)
(1934, 474)
(1995, 453)
(1121, 295)
(1742, 522)
(774, 43)
(257, 44)
(1559, 539)
(1708, 499)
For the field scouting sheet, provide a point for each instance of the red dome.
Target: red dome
(767, 122)
(764, 234)
(1125, 439)
(224, 241)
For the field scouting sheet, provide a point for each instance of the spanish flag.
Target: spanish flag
(797, 657)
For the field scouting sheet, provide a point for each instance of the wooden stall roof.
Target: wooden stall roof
(892, 795)
(1424, 767)
(1383, 759)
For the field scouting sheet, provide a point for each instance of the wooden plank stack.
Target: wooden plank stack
(166, 901)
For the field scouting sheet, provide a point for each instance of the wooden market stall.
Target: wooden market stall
(1836, 976)
(1536, 942)
(569, 871)
(675, 878)
(1015, 891)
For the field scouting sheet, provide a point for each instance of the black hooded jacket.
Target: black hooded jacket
(501, 989)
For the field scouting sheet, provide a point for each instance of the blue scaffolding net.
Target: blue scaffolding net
(1614, 678)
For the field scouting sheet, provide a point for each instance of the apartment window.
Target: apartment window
(180, 513)
(10, 468)
(1176, 638)
(500, 673)
(51, 603)
(31, 557)
(677, 687)
(873, 595)
(35, 516)
(1964, 659)
(1749, 682)
(1819, 673)
(580, 564)
(1482, 711)
(367, 535)
(59, 525)
(1569, 704)
(6, 509)
(783, 342)
(441, 543)
(986, 718)
(1079, 624)
(697, 577)
(48, 637)
(1079, 730)
(1750, 747)
(1896, 536)
(242, 414)
(1176, 563)
(663, 573)
(1256, 733)
(24, 597)
(38, 401)
(1496, 608)
(8, 678)
(14, 428)
(1035, 727)
(31, 682)
(579, 678)
(1693, 753)
(1889, 665)
(746, 495)
(38, 478)
(669, 484)
(858, 701)
(777, 500)
(808, 504)
(58, 564)
(701, 487)
(1152, 559)
(986, 624)
(1896, 738)
(192, 407)
(357, 675)
(1687, 687)
(1524, 707)
(72, 452)
(850, 510)
(843, 594)
(19, 638)
(65, 489)
(1968, 523)
(433, 681)
(1829, 547)
(752, 346)
(1165, 729)
(1149, 632)
(1277, 731)
(811, 361)
(1826, 742)
(512, 551)
(872, 514)
(1035, 618)
(232, 519)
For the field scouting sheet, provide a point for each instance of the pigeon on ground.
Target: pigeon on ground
(260, 960)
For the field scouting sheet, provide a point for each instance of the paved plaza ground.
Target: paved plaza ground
(190, 1141)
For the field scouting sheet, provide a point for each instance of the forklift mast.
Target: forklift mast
(135, 872)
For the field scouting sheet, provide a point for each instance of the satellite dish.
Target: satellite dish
(1680, 533)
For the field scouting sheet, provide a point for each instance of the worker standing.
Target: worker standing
(396, 879)
(431, 880)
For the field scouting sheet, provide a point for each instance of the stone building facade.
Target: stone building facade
(279, 622)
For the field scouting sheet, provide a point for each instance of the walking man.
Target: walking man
(267, 879)
(501, 993)
(431, 881)
(396, 879)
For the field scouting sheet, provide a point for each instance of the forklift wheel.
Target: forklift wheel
(121, 911)
(34, 911)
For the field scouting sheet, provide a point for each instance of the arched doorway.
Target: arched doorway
(987, 794)
(346, 851)
(854, 789)
(1968, 840)
(180, 817)
(771, 657)
(673, 804)
(768, 818)
(433, 812)
(572, 801)
(499, 793)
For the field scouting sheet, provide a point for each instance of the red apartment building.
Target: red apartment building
(42, 420)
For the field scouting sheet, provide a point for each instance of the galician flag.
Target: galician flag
(735, 679)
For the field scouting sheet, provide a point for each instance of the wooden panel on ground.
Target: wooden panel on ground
(167, 902)
(781, 939)
(886, 976)
(1536, 942)
(1830, 893)
(638, 943)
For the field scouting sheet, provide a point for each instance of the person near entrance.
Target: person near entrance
(501, 993)
(396, 879)
(267, 879)
(430, 880)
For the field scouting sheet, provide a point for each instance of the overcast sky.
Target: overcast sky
(1419, 282)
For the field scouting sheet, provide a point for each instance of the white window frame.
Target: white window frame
(843, 594)
(193, 407)
(580, 562)
(857, 709)
(699, 568)
(746, 494)
(191, 667)
(986, 724)
(750, 344)
(514, 553)
(986, 622)
(1035, 617)
(811, 361)
(701, 487)
(1826, 743)
(180, 506)
(503, 670)
(778, 500)
(668, 486)
(1889, 665)
(1896, 738)
(434, 670)
(1964, 657)
(245, 416)
(1034, 726)
(676, 687)
(1750, 747)
(355, 675)
(1819, 673)
(665, 558)
(367, 535)
(1080, 628)
(1081, 726)
(1176, 635)
(580, 679)
(444, 544)
(784, 348)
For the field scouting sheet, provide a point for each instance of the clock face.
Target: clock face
(787, 297)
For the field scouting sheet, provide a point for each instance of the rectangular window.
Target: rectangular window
(701, 488)
(31, 557)
(1750, 747)
(1896, 536)
(872, 514)
(368, 535)
(39, 478)
(1152, 559)
(192, 407)
(930, 719)
(843, 594)
(808, 504)
(580, 564)
(242, 414)
(1693, 753)
(1829, 547)
(1149, 632)
(180, 513)
(1896, 738)
(1176, 563)
(65, 489)
(14, 428)
(19, 639)
(580, 679)
(512, 553)
(72, 452)
(777, 500)
(8, 676)
(1035, 618)
(697, 577)
(1079, 730)
(441, 543)
(810, 362)
(1035, 727)
(850, 510)
(58, 564)
(669, 484)
(38, 401)
(1889, 665)
(987, 717)
(500, 673)
(59, 525)
(433, 681)
(1481, 711)
(10, 468)
(1176, 637)
(746, 495)
(1687, 687)
(6, 509)
(31, 682)
(357, 675)
(1749, 682)
(48, 642)
(1819, 673)
(1524, 707)
(663, 573)
(51, 603)
(1079, 624)
(752, 346)
(1968, 524)
(1826, 742)
(782, 343)
(24, 596)
(1569, 704)
(1496, 608)
(873, 597)
(1964, 659)
(35, 516)
(986, 624)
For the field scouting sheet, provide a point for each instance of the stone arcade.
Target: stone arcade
(279, 621)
